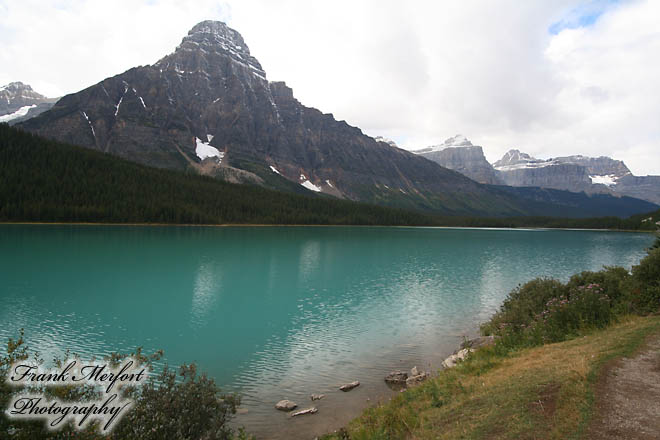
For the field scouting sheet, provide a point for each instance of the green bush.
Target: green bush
(645, 283)
(545, 310)
(612, 280)
(172, 406)
(522, 305)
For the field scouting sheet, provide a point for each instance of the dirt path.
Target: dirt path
(628, 397)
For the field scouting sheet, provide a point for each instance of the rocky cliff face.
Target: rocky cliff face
(457, 153)
(209, 106)
(520, 169)
(577, 173)
(598, 166)
(18, 102)
(641, 187)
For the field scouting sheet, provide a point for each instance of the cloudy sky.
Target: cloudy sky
(550, 78)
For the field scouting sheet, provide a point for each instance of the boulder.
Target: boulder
(311, 410)
(349, 386)
(285, 405)
(457, 357)
(396, 377)
(417, 379)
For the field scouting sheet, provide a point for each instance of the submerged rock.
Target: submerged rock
(317, 396)
(349, 386)
(311, 410)
(285, 405)
(396, 377)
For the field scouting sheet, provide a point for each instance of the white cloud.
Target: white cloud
(417, 71)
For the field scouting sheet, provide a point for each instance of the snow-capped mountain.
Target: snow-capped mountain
(19, 102)
(457, 153)
(212, 96)
(577, 173)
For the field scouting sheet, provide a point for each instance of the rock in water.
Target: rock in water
(285, 405)
(396, 377)
(349, 386)
(317, 396)
(311, 410)
(417, 379)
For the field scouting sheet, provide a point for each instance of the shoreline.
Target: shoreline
(285, 225)
(337, 409)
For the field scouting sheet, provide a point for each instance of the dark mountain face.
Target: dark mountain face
(209, 106)
(19, 102)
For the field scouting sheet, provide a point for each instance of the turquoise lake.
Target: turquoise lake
(280, 312)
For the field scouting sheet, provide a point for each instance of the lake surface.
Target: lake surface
(280, 312)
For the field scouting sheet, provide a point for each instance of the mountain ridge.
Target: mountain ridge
(575, 173)
(211, 89)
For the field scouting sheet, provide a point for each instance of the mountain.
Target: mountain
(208, 106)
(641, 187)
(560, 203)
(598, 166)
(18, 102)
(457, 153)
(577, 173)
(49, 181)
(520, 169)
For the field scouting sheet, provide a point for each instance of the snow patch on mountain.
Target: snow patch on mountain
(204, 150)
(17, 114)
(604, 180)
(309, 185)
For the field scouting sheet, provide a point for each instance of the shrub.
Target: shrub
(645, 283)
(173, 406)
(523, 304)
(612, 281)
(545, 310)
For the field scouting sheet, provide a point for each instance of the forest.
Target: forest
(47, 181)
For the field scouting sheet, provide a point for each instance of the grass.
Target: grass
(544, 392)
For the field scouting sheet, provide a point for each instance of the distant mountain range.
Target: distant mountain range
(593, 175)
(18, 102)
(209, 107)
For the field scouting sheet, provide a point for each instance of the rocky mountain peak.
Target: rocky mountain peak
(216, 33)
(19, 90)
(17, 99)
(457, 141)
(459, 154)
(514, 157)
(206, 48)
